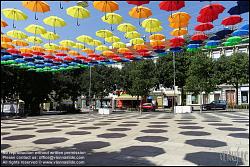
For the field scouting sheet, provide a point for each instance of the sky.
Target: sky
(94, 23)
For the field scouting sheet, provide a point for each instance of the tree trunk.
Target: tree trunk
(200, 102)
(182, 96)
(236, 96)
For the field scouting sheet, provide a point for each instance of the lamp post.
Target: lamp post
(89, 89)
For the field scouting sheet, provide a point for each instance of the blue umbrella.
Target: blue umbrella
(73, 64)
(15, 56)
(125, 60)
(243, 3)
(39, 62)
(30, 64)
(176, 49)
(4, 53)
(223, 33)
(29, 59)
(196, 42)
(55, 67)
(215, 37)
(48, 64)
(57, 63)
(63, 65)
(38, 57)
(213, 43)
(7, 57)
(78, 61)
(238, 10)
(240, 33)
(158, 51)
(193, 45)
(20, 60)
(245, 27)
(40, 65)
(48, 61)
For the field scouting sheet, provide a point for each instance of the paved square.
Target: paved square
(133, 139)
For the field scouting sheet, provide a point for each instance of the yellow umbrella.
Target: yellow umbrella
(132, 34)
(78, 12)
(104, 34)
(4, 38)
(140, 47)
(35, 40)
(38, 48)
(87, 50)
(112, 39)
(3, 23)
(155, 29)
(84, 39)
(25, 50)
(106, 6)
(73, 53)
(157, 37)
(50, 36)
(63, 48)
(35, 29)
(7, 45)
(54, 21)
(20, 43)
(36, 6)
(67, 43)
(140, 12)
(51, 46)
(17, 34)
(95, 43)
(179, 32)
(119, 45)
(136, 41)
(123, 50)
(78, 46)
(151, 23)
(112, 18)
(126, 27)
(156, 43)
(102, 48)
(14, 14)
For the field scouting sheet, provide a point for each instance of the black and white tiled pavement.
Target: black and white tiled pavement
(133, 139)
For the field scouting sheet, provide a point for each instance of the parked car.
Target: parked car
(148, 107)
(217, 104)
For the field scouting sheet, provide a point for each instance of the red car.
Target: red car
(148, 107)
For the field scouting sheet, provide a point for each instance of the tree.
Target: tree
(165, 71)
(201, 74)
(234, 70)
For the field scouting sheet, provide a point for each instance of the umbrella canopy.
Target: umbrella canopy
(101, 48)
(212, 43)
(132, 34)
(25, 50)
(212, 9)
(51, 46)
(108, 53)
(67, 43)
(6, 45)
(229, 43)
(73, 53)
(223, 33)
(106, 6)
(38, 48)
(54, 21)
(88, 51)
(95, 42)
(238, 10)
(78, 46)
(157, 37)
(140, 12)
(36, 6)
(123, 50)
(13, 51)
(112, 39)
(50, 36)
(155, 29)
(240, 33)
(156, 43)
(179, 32)
(14, 14)
(231, 20)
(119, 45)
(3, 23)
(235, 39)
(63, 48)
(179, 17)
(84, 39)
(198, 37)
(78, 12)
(171, 5)
(193, 46)
(104, 33)
(5, 38)
(35, 29)
(207, 18)
(204, 27)
(112, 18)
(137, 3)
(136, 41)
(178, 24)
(140, 47)
(151, 23)
(126, 27)
(215, 37)
(177, 40)
(35, 40)
(17, 34)
(20, 43)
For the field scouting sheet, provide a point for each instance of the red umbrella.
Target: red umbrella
(129, 56)
(61, 54)
(100, 58)
(212, 9)
(177, 40)
(13, 51)
(117, 58)
(137, 3)
(127, 53)
(81, 57)
(68, 58)
(142, 50)
(38, 53)
(174, 45)
(49, 56)
(204, 27)
(160, 47)
(171, 5)
(231, 20)
(198, 37)
(57, 59)
(26, 54)
(145, 54)
(93, 55)
(207, 18)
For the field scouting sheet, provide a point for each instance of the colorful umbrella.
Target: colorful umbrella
(213, 43)
(245, 27)
(63, 48)
(123, 50)
(95, 42)
(102, 48)
(78, 12)
(112, 18)
(83, 4)
(204, 27)
(84, 39)
(20, 43)
(112, 39)
(35, 29)
(34, 40)
(223, 33)
(229, 43)
(240, 33)
(51, 46)
(136, 41)
(73, 53)
(14, 14)
(126, 27)
(198, 37)
(238, 10)
(108, 53)
(151, 23)
(16, 34)
(156, 43)
(132, 34)
(25, 50)
(67, 43)
(119, 45)
(212, 9)
(54, 21)
(5, 38)
(140, 47)
(157, 37)
(50, 36)
(36, 6)
(3, 23)
(6, 45)
(103, 34)
(78, 46)
(140, 12)
(179, 32)
(207, 18)
(231, 20)
(177, 40)
(171, 5)
(179, 17)
(137, 3)
(235, 39)
(155, 29)
(38, 48)
(106, 6)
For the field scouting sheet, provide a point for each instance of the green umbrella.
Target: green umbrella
(229, 43)
(193, 49)
(235, 39)
(246, 40)
(210, 47)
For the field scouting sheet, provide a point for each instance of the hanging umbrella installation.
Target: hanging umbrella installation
(106, 6)
(54, 21)
(140, 12)
(36, 6)
(14, 14)
(78, 12)
(112, 18)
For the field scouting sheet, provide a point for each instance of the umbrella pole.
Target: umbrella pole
(61, 7)
(174, 82)
(89, 89)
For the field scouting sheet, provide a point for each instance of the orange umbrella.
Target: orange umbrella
(157, 37)
(63, 48)
(3, 23)
(140, 47)
(123, 50)
(6, 45)
(73, 53)
(106, 6)
(36, 6)
(108, 53)
(25, 50)
(156, 43)
(5, 38)
(88, 51)
(38, 48)
(179, 32)
(140, 12)
(20, 43)
(50, 51)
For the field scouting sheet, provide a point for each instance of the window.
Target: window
(244, 97)
(216, 96)
(216, 54)
(194, 99)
